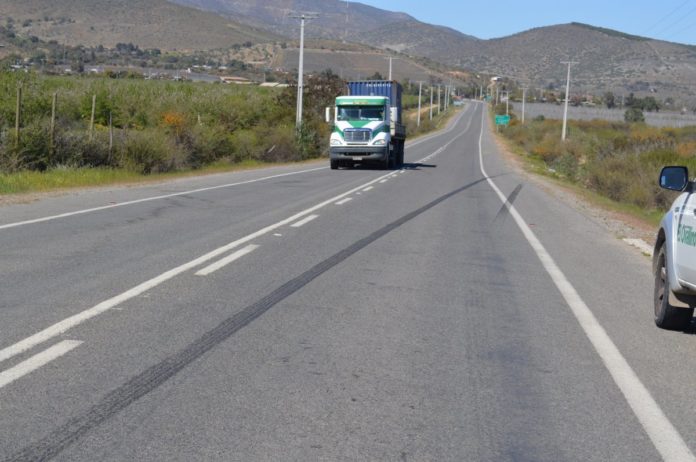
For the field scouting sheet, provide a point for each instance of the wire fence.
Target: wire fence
(555, 111)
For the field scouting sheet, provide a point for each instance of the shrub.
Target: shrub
(149, 151)
(280, 145)
(74, 148)
(207, 145)
(633, 115)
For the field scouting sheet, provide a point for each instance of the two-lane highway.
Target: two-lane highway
(446, 311)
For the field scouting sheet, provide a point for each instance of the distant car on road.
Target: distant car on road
(674, 258)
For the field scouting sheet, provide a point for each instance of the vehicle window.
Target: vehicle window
(361, 113)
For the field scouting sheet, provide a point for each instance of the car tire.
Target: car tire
(667, 316)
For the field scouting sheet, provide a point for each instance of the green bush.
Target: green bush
(633, 115)
(150, 151)
(207, 145)
(618, 160)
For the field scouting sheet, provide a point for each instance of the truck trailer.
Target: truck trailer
(367, 125)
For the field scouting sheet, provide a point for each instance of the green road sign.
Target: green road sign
(502, 119)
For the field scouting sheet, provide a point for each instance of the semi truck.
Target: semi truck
(367, 125)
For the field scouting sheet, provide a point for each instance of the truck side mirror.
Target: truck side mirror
(394, 114)
(674, 178)
(328, 115)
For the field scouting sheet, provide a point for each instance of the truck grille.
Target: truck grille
(357, 135)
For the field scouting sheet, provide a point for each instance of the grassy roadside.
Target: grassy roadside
(69, 178)
(610, 165)
(62, 178)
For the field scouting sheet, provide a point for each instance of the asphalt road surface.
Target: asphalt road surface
(449, 311)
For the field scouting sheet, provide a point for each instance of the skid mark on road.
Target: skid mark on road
(663, 434)
(142, 384)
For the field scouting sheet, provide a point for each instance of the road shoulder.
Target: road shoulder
(622, 225)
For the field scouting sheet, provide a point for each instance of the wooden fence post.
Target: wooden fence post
(18, 114)
(53, 125)
(91, 120)
(111, 137)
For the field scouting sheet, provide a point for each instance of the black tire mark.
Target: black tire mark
(142, 384)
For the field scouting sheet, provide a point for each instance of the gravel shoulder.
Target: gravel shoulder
(620, 224)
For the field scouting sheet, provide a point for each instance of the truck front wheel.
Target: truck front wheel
(334, 164)
(667, 316)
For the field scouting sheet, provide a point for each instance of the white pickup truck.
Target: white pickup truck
(674, 260)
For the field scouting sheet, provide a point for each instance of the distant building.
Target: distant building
(235, 80)
(274, 85)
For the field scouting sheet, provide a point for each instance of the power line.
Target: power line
(666, 16)
(681, 30)
(681, 18)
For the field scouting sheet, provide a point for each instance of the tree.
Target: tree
(634, 114)
(633, 102)
(376, 76)
(610, 100)
(650, 104)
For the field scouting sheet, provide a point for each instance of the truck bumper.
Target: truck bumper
(359, 153)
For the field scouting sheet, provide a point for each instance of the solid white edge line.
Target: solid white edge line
(348, 199)
(370, 187)
(149, 199)
(227, 260)
(662, 433)
(76, 319)
(36, 361)
(304, 221)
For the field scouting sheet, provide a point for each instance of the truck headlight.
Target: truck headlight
(336, 142)
(380, 143)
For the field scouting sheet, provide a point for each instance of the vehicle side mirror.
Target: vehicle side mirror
(674, 178)
(394, 114)
(328, 115)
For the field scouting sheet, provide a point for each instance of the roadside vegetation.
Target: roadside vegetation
(617, 160)
(147, 127)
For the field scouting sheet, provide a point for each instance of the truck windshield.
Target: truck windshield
(361, 113)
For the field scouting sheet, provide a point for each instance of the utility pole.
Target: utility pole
(300, 85)
(567, 97)
(524, 99)
(390, 68)
(420, 89)
(438, 100)
(449, 95)
(431, 102)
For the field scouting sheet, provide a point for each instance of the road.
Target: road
(299, 313)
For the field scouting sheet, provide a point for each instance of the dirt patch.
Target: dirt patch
(28, 198)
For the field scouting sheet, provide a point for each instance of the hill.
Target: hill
(146, 23)
(609, 60)
(337, 19)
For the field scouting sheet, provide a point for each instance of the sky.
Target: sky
(672, 20)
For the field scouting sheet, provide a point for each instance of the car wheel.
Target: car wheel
(667, 316)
